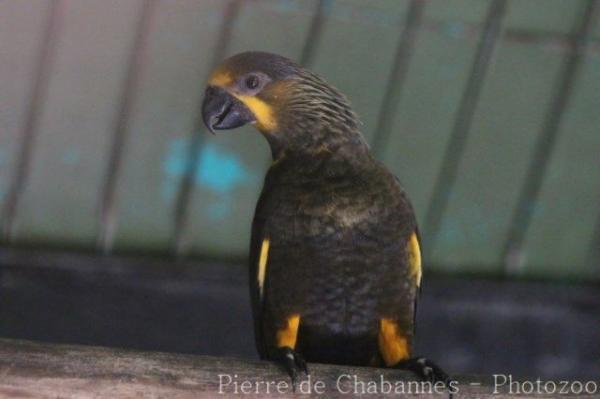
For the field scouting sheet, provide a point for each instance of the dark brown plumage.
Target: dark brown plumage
(334, 256)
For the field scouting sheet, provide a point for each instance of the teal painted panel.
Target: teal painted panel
(559, 239)
(229, 177)
(59, 204)
(437, 76)
(18, 51)
(507, 122)
(356, 52)
(458, 12)
(232, 164)
(180, 48)
(273, 26)
(543, 15)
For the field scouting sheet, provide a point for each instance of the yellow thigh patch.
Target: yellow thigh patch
(288, 335)
(393, 345)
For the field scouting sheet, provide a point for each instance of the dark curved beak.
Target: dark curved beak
(221, 110)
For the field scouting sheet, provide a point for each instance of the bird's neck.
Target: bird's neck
(321, 152)
(317, 126)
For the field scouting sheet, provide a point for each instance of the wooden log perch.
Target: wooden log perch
(39, 370)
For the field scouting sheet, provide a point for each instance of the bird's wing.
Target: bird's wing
(416, 268)
(414, 253)
(259, 251)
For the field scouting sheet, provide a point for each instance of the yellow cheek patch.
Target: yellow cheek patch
(393, 346)
(220, 79)
(262, 265)
(414, 258)
(288, 335)
(263, 112)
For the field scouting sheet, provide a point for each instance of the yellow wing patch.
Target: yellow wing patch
(262, 265)
(288, 335)
(414, 258)
(393, 345)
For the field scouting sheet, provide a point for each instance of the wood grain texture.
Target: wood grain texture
(35, 370)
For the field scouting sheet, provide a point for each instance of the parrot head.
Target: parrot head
(291, 106)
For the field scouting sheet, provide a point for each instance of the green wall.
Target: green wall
(354, 49)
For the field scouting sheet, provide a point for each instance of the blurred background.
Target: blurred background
(125, 224)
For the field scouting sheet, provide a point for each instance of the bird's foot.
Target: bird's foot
(425, 369)
(292, 362)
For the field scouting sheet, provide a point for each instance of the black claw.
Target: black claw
(425, 369)
(292, 362)
(301, 363)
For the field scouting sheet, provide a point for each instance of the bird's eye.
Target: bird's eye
(252, 82)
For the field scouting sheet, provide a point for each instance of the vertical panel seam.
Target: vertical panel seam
(463, 120)
(397, 76)
(107, 203)
(315, 32)
(546, 141)
(44, 63)
(179, 236)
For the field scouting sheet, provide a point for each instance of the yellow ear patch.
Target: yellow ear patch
(288, 335)
(414, 258)
(262, 265)
(393, 346)
(263, 112)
